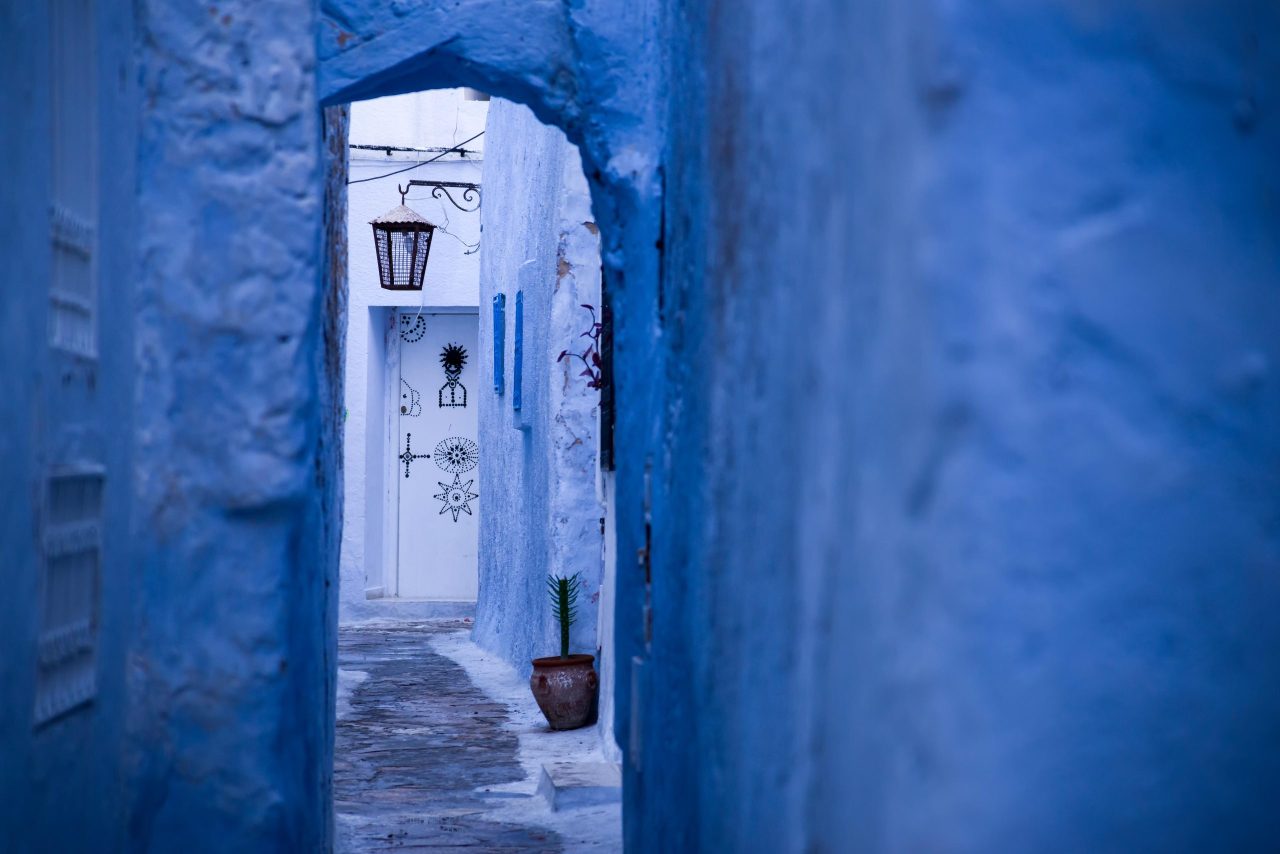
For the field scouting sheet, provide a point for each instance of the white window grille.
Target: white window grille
(72, 521)
(71, 504)
(73, 291)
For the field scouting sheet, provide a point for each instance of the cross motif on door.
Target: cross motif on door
(409, 456)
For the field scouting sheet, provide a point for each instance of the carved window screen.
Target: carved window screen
(69, 591)
(73, 208)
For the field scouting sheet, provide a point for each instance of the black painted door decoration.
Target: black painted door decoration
(456, 497)
(409, 456)
(453, 357)
(437, 499)
(412, 328)
(457, 455)
(410, 400)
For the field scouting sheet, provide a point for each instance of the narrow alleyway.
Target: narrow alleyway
(426, 760)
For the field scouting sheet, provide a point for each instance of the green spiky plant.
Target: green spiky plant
(564, 603)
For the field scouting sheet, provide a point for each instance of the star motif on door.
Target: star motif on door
(456, 497)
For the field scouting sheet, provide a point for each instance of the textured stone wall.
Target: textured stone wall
(538, 466)
(226, 558)
(972, 543)
(232, 668)
(961, 441)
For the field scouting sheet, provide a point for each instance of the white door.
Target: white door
(437, 458)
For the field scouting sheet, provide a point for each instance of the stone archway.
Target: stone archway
(231, 650)
(576, 69)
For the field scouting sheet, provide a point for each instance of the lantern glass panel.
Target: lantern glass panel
(402, 255)
(382, 243)
(404, 251)
(420, 258)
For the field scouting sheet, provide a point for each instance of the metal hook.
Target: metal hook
(404, 191)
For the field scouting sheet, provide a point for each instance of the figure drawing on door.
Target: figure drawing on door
(437, 460)
(453, 393)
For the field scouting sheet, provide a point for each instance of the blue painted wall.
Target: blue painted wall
(59, 783)
(538, 464)
(226, 319)
(962, 440)
(212, 409)
(970, 541)
(237, 404)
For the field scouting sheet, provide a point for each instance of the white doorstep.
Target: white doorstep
(567, 785)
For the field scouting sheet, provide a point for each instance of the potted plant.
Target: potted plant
(565, 685)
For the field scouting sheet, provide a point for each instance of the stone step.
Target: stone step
(567, 785)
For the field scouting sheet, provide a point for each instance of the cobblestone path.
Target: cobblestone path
(417, 746)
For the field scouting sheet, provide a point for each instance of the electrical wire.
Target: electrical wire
(416, 165)
(444, 229)
(422, 295)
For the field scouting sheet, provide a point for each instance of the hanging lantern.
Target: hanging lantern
(402, 240)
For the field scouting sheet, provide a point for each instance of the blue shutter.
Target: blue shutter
(499, 340)
(517, 370)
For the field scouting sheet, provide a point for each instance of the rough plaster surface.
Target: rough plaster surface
(231, 672)
(999, 356)
(222, 584)
(538, 469)
(1011, 582)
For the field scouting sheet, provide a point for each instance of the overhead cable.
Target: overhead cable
(457, 147)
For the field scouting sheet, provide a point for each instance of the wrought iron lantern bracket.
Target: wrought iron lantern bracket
(470, 194)
(402, 237)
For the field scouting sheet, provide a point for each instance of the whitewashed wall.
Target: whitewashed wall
(422, 120)
(538, 466)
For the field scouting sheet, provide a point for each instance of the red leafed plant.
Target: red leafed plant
(590, 357)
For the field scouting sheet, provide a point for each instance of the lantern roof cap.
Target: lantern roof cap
(402, 215)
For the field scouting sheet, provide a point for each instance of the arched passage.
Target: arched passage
(1025, 276)
(576, 70)
(232, 569)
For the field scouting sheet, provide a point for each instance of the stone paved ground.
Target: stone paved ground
(426, 761)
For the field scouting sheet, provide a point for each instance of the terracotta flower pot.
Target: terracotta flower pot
(565, 689)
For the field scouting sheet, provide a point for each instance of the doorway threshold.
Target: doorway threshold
(394, 609)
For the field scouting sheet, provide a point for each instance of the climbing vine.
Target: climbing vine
(590, 357)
